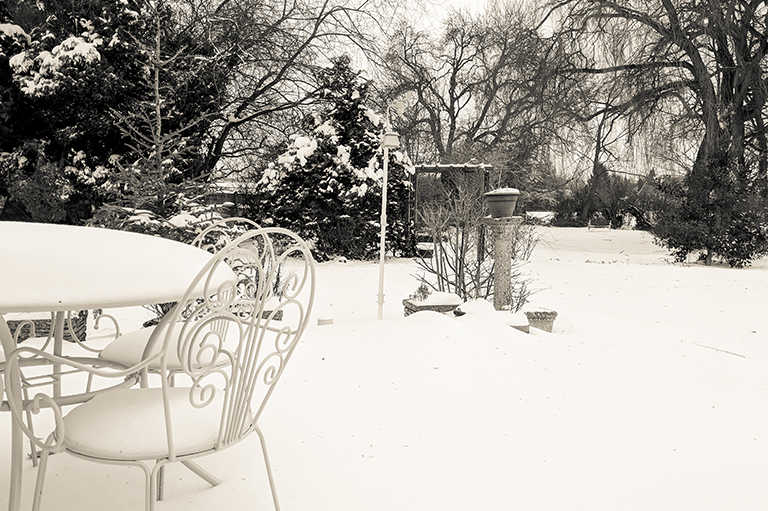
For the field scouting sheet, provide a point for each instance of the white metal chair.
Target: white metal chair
(217, 405)
(129, 349)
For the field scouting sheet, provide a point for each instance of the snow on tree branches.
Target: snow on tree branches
(327, 183)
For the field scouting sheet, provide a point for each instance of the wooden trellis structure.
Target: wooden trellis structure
(426, 173)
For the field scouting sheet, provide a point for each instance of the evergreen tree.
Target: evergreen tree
(327, 183)
(719, 208)
(70, 74)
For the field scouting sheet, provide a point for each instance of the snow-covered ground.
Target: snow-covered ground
(649, 394)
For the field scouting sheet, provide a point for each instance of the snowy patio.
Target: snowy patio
(649, 394)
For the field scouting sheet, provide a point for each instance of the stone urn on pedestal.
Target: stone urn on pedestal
(502, 202)
(503, 224)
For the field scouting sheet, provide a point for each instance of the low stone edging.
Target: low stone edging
(43, 327)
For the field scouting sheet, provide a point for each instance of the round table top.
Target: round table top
(46, 267)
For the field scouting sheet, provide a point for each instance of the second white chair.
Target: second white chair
(132, 347)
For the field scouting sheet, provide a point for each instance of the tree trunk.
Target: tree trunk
(596, 171)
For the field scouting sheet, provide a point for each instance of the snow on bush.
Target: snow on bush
(327, 183)
(14, 32)
(39, 75)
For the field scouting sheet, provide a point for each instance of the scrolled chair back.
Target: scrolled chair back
(234, 343)
(222, 232)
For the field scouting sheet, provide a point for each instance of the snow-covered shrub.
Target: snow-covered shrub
(41, 190)
(719, 209)
(78, 85)
(327, 184)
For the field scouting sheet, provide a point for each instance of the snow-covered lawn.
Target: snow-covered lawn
(649, 394)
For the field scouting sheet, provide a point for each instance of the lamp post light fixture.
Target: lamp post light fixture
(389, 141)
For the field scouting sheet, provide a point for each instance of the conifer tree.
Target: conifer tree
(327, 184)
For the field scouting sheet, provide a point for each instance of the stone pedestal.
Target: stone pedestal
(502, 229)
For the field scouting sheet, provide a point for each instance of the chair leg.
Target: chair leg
(30, 425)
(40, 481)
(152, 480)
(17, 455)
(269, 467)
(201, 472)
(160, 483)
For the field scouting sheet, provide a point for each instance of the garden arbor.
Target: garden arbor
(434, 184)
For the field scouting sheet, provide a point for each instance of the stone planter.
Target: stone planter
(541, 319)
(411, 306)
(502, 202)
(438, 301)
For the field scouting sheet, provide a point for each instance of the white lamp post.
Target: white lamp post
(388, 140)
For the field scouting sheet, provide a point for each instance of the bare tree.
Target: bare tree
(685, 59)
(486, 85)
(700, 64)
(604, 132)
(271, 51)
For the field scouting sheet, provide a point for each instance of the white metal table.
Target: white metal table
(56, 268)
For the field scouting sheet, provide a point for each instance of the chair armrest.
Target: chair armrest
(110, 317)
(18, 402)
(19, 386)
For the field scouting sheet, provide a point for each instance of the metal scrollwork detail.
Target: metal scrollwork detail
(236, 341)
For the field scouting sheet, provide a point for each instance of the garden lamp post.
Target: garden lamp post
(388, 140)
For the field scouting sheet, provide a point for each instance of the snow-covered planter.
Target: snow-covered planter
(543, 319)
(437, 301)
(502, 202)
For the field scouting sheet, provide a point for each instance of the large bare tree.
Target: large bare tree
(697, 63)
(485, 84)
(694, 60)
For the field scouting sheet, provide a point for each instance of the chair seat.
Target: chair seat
(128, 349)
(128, 424)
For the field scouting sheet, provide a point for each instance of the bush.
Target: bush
(569, 203)
(188, 220)
(716, 210)
(327, 184)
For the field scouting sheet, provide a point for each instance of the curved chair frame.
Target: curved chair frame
(55, 378)
(222, 232)
(212, 239)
